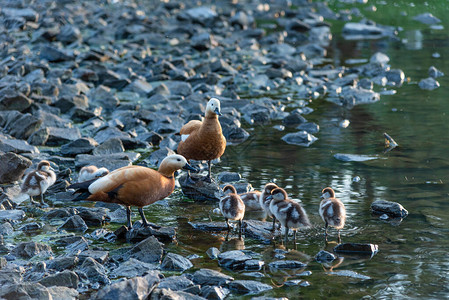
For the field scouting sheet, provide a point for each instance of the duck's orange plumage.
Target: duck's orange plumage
(134, 185)
(203, 140)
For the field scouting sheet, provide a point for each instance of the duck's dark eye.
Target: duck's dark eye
(179, 159)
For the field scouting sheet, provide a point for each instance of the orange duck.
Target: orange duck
(133, 185)
(203, 140)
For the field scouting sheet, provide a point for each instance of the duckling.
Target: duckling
(91, 172)
(265, 203)
(203, 140)
(332, 211)
(37, 182)
(251, 200)
(289, 213)
(232, 207)
(134, 185)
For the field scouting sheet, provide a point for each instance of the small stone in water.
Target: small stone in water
(384, 217)
(356, 179)
(344, 123)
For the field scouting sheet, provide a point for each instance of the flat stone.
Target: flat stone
(63, 293)
(74, 223)
(355, 157)
(19, 125)
(28, 250)
(12, 167)
(215, 292)
(324, 256)
(16, 101)
(149, 250)
(94, 271)
(169, 294)
(287, 264)
(175, 262)
(347, 273)
(199, 189)
(176, 283)
(93, 216)
(209, 226)
(259, 230)
(370, 249)
(63, 263)
(428, 84)
(133, 268)
(229, 176)
(25, 290)
(65, 278)
(16, 146)
(250, 287)
(110, 162)
(112, 145)
(393, 209)
(427, 18)
(300, 138)
(12, 215)
(234, 260)
(139, 233)
(79, 146)
(211, 277)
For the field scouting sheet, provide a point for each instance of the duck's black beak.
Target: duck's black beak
(217, 111)
(189, 167)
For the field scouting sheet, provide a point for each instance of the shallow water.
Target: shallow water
(412, 261)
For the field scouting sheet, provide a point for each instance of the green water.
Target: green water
(412, 261)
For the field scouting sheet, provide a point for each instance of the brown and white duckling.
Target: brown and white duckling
(232, 207)
(91, 172)
(37, 182)
(203, 140)
(332, 211)
(265, 203)
(251, 200)
(289, 213)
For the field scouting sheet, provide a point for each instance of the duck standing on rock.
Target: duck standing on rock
(289, 213)
(203, 140)
(133, 185)
(264, 202)
(332, 211)
(38, 181)
(91, 172)
(232, 207)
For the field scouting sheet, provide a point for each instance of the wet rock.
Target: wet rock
(99, 255)
(65, 278)
(53, 136)
(300, 138)
(324, 256)
(175, 262)
(429, 84)
(12, 167)
(110, 162)
(52, 54)
(355, 31)
(249, 287)
(309, 127)
(15, 101)
(63, 293)
(209, 226)
(93, 216)
(16, 146)
(74, 223)
(259, 230)
(229, 176)
(203, 41)
(235, 135)
(79, 146)
(351, 96)
(149, 250)
(234, 260)
(355, 157)
(393, 209)
(6, 228)
(198, 189)
(28, 14)
(213, 253)
(379, 58)
(69, 34)
(297, 282)
(369, 249)
(395, 77)
(254, 264)
(140, 232)
(12, 215)
(31, 226)
(63, 263)
(211, 277)
(176, 283)
(215, 292)
(19, 125)
(427, 18)
(132, 268)
(294, 118)
(60, 213)
(112, 145)
(434, 72)
(351, 274)
(73, 245)
(25, 291)
(202, 15)
(28, 250)
(134, 288)
(172, 295)
(102, 234)
(287, 264)
(94, 271)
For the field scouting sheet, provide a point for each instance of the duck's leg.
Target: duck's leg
(32, 201)
(286, 235)
(145, 222)
(339, 239)
(227, 223)
(240, 228)
(128, 216)
(43, 204)
(325, 231)
(294, 236)
(208, 177)
(274, 224)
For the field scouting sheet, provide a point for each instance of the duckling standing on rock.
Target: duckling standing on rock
(91, 172)
(251, 200)
(232, 207)
(289, 213)
(134, 185)
(332, 211)
(265, 203)
(203, 140)
(38, 181)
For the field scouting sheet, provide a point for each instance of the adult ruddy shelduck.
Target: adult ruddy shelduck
(289, 213)
(332, 211)
(264, 202)
(37, 182)
(232, 207)
(203, 140)
(91, 172)
(134, 185)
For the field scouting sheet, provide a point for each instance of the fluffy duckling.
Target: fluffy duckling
(289, 213)
(203, 140)
(265, 203)
(332, 211)
(251, 200)
(232, 207)
(134, 185)
(38, 181)
(91, 172)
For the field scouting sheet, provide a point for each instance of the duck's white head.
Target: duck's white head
(213, 106)
(279, 194)
(327, 193)
(174, 162)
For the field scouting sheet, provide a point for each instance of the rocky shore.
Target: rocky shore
(107, 82)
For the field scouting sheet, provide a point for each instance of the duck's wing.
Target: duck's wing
(188, 128)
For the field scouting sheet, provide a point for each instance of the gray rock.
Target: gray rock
(215, 292)
(52, 54)
(94, 271)
(25, 291)
(27, 13)
(12, 215)
(173, 295)
(74, 223)
(234, 260)
(63, 263)
(149, 250)
(347, 273)
(29, 250)
(434, 72)
(60, 213)
(15, 101)
(202, 15)
(63, 293)
(203, 41)
(259, 230)
(176, 283)
(69, 34)
(393, 209)
(379, 58)
(297, 282)
(354, 157)
(133, 268)
(110, 162)
(6, 228)
(309, 127)
(133, 289)
(108, 133)
(102, 234)
(427, 18)
(175, 262)
(235, 135)
(429, 84)
(65, 278)
(354, 31)
(94, 216)
(198, 189)
(100, 256)
(355, 96)
(324, 256)
(19, 125)
(140, 232)
(229, 176)
(16, 146)
(73, 245)
(213, 252)
(79, 146)
(300, 138)
(249, 287)
(395, 77)
(112, 145)
(31, 226)
(209, 226)
(53, 136)
(286, 264)
(12, 167)
(369, 249)
(211, 277)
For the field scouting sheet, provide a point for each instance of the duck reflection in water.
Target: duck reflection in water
(237, 243)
